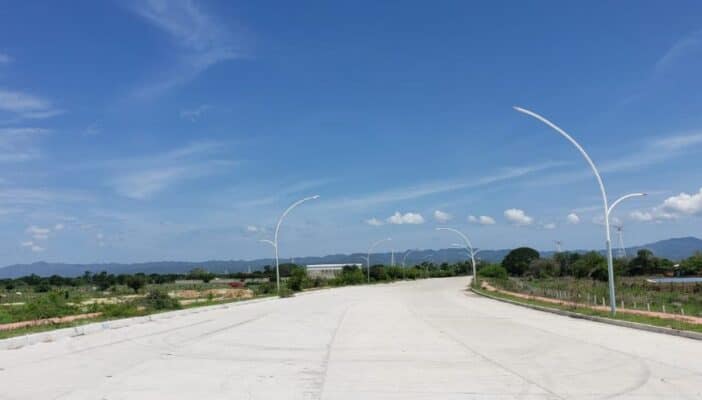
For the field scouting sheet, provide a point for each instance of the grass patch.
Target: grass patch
(641, 319)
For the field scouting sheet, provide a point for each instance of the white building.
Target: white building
(327, 271)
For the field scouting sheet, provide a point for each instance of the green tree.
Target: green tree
(591, 265)
(692, 265)
(200, 274)
(565, 261)
(517, 261)
(645, 263)
(135, 282)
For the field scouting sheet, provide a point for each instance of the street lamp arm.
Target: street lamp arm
(287, 211)
(272, 243)
(464, 237)
(619, 200)
(582, 151)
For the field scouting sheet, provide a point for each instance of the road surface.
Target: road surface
(411, 340)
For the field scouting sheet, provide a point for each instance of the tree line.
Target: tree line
(525, 261)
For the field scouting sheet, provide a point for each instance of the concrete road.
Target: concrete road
(414, 340)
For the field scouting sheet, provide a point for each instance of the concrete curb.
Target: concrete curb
(80, 330)
(626, 324)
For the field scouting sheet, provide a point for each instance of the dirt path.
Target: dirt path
(683, 318)
(47, 321)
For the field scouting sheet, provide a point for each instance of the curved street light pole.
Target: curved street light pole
(371, 249)
(469, 248)
(275, 238)
(606, 209)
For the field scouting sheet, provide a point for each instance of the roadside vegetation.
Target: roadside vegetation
(33, 303)
(581, 279)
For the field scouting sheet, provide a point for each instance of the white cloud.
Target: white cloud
(38, 233)
(549, 225)
(27, 243)
(678, 142)
(58, 227)
(646, 153)
(573, 218)
(641, 216)
(406, 218)
(195, 113)
(441, 216)
(19, 144)
(435, 188)
(99, 236)
(673, 207)
(201, 41)
(26, 105)
(481, 220)
(518, 217)
(281, 192)
(92, 130)
(37, 249)
(144, 184)
(689, 204)
(685, 46)
(148, 176)
(5, 59)
(252, 229)
(374, 222)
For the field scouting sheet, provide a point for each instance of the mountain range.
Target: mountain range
(674, 249)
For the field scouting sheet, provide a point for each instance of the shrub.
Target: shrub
(286, 292)
(118, 310)
(263, 289)
(543, 268)
(298, 279)
(493, 271)
(159, 300)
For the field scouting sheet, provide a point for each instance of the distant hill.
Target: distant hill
(674, 249)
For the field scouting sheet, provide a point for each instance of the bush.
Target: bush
(286, 292)
(45, 306)
(298, 279)
(159, 300)
(350, 275)
(118, 310)
(543, 268)
(493, 271)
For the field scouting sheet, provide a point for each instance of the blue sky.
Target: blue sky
(180, 130)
